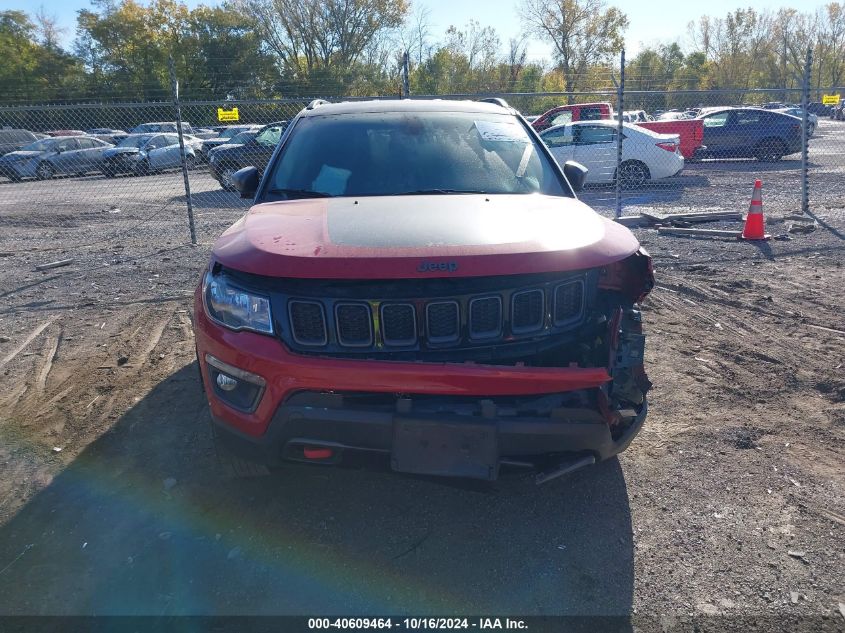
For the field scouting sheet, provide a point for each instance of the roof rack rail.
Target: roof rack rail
(316, 103)
(497, 100)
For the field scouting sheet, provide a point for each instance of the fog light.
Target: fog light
(236, 387)
(226, 383)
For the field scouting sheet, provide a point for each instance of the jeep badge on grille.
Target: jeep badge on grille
(433, 267)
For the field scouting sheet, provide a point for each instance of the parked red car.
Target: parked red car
(691, 132)
(571, 113)
(417, 279)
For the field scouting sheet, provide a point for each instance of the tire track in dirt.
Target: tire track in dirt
(74, 389)
(51, 349)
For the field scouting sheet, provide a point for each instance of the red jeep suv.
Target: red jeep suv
(418, 279)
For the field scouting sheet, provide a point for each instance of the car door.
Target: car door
(86, 156)
(748, 128)
(171, 150)
(595, 148)
(560, 142)
(65, 155)
(717, 133)
(156, 149)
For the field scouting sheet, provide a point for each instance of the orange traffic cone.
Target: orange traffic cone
(755, 227)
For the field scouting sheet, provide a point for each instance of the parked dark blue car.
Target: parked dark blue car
(749, 133)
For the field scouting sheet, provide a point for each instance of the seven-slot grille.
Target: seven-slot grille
(437, 322)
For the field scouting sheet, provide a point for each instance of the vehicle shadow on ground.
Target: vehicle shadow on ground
(744, 165)
(666, 190)
(141, 522)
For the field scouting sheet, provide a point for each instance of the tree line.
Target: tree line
(244, 49)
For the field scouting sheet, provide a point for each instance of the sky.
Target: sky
(651, 23)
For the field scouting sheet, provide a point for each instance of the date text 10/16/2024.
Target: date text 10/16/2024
(418, 624)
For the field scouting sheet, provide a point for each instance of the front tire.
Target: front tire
(142, 168)
(45, 171)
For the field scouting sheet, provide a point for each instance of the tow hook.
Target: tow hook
(564, 468)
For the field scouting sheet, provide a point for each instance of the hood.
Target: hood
(223, 147)
(114, 151)
(397, 237)
(20, 155)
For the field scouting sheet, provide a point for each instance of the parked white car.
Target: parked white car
(646, 155)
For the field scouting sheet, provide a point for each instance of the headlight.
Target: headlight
(235, 308)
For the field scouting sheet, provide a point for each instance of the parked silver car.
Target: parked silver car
(141, 154)
(49, 157)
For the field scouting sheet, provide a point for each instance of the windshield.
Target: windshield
(133, 141)
(395, 153)
(230, 132)
(40, 146)
(243, 137)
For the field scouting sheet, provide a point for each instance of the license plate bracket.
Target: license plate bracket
(456, 449)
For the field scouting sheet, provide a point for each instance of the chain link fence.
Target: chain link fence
(104, 185)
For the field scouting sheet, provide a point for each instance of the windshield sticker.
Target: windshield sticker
(501, 132)
(331, 180)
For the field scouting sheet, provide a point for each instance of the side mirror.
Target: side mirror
(246, 181)
(575, 173)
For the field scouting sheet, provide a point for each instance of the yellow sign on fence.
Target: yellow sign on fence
(230, 115)
(830, 99)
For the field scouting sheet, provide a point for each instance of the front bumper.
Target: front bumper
(519, 440)
(18, 169)
(301, 402)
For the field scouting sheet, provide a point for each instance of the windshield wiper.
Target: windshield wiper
(301, 193)
(428, 192)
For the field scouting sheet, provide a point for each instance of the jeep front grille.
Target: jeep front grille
(402, 317)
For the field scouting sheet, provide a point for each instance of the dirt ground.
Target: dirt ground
(730, 502)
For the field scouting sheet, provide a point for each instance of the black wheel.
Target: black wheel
(811, 129)
(14, 177)
(770, 150)
(142, 168)
(190, 162)
(45, 171)
(633, 174)
(108, 172)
